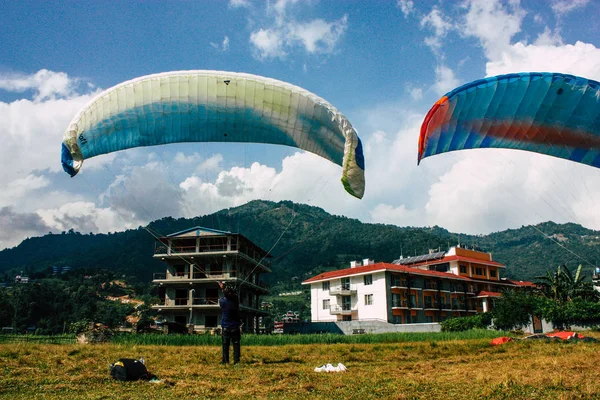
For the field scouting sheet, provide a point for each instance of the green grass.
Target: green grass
(41, 339)
(325, 338)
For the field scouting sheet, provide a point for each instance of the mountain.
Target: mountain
(305, 240)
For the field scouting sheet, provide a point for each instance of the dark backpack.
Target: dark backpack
(129, 369)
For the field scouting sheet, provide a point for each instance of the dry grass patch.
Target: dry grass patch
(462, 369)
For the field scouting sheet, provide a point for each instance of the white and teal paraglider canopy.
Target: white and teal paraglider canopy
(213, 106)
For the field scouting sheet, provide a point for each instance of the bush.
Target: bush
(459, 324)
(79, 327)
(577, 312)
(514, 309)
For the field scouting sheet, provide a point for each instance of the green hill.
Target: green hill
(305, 240)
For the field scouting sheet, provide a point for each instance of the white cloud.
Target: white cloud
(268, 44)
(86, 217)
(284, 34)
(239, 3)
(582, 59)
(440, 25)
(223, 46)
(304, 178)
(318, 36)
(445, 80)
(407, 7)
(481, 191)
(145, 193)
(212, 163)
(182, 159)
(46, 84)
(561, 7)
(548, 38)
(32, 135)
(416, 93)
(494, 23)
(399, 215)
(17, 226)
(489, 190)
(20, 188)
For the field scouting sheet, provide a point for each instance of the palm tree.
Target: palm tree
(562, 286)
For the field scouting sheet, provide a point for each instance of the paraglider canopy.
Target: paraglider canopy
(213, 106)
(547, 113)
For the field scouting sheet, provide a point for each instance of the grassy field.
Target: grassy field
(437, 369)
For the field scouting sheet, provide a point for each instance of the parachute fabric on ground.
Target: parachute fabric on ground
(213, 106)
(548, 113)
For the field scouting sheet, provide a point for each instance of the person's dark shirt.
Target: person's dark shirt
(231, 312)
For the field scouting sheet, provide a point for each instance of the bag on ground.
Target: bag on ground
(130, 369)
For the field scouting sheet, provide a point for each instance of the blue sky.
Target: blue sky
(381, 63)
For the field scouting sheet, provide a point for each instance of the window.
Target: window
(493, 273)
(478, 271)
(326, 286)
(345, 283)
(429, 318)
(326, 304)
(463, 269)
(396, 302)
(428, 301)
(368, 279)
(368, 299)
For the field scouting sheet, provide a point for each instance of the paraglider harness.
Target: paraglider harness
(130, 369)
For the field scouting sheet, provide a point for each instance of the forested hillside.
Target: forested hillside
(305, 240)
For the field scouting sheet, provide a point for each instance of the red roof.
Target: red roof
(365, 269)
(485, 293)
(381, 267)
(460, 258)
(521, 283)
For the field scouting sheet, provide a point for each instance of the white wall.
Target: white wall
(378, 310)
(317, 295)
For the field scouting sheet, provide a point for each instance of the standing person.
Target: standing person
(230, 322)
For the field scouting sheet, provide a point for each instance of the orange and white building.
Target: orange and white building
(422, 289)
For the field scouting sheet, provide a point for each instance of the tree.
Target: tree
(561, 286)
(514, 309)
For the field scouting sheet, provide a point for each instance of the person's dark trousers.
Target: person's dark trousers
(232, 336)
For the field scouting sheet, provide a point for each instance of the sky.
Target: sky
(381, 63)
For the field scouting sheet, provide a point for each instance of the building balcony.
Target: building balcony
(437, 306)
(400, 284)
(199, 303)
(188, 276)
(431, 286)
(406, 305)
(342, 310)
(457, 289)
(201, 277)
(343, 290)
(185, 302)
(175, 252)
